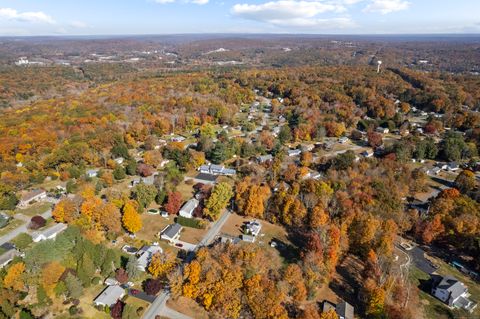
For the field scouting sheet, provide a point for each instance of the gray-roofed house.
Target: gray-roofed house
(452, 292)
(188, 208)
(49, 233)
(295, 152)
(109, 296)
(344, 310)
(171, 232)
(265, 158)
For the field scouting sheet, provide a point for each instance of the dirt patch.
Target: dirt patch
(188, 307)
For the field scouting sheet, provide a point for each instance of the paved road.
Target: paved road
(213, 231)
(172, 314)
(158, 306)
(21, 229)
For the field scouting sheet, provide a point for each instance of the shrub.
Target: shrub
(191, 222)
(37, 222)
(152, 286)
(72, 310)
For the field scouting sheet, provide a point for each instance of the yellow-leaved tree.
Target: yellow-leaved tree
(131, 219)
(14, 277)
(161, 264)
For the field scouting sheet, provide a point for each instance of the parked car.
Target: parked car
(134, 291)
(179, 245)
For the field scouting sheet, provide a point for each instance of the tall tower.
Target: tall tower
(379, 64)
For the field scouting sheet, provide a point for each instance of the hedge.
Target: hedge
(191, 222)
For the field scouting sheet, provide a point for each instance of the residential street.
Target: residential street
(158, 306)
(21, 229)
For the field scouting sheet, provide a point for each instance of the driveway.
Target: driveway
(185, 246)
(142, 295)
(21, 229)
(419, 260)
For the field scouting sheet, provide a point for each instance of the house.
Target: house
(253, 228)
(214, 169)
(452, 292)
(92, 173)
(382, 130)
(228, 239)
(171, 232)
(177, 139)
(109, 296)
(32, 196)
(188, 208)
(119, 160)
(145, 256)
(49, 233)
(111, 281)
(8, 256)
(205, 178)
(248, 238)
(307, 147)
(344, 310)
(295, 152)
(264, 158)
(343, 140)
(367, 154)
(453, 166)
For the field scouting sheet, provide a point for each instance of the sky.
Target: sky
(125, 17)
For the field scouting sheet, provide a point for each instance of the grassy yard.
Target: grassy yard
(137, 303)
(86, 303)
(192, 235)
(433, 307)
(35, 209)
(12, 224)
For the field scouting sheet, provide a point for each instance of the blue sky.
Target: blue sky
(105, 17)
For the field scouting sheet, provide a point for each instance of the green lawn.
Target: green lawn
(434, 308)
(14, 223)
(35, 209)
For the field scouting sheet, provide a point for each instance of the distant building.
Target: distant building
(32, 196)
(367, 154)
(452, 292)
(188, 208)
(109, 296)
(343, 140)
(49, 233)
(92, 173)
(171, 232)
(264, 158)
(295, 152)
(382, 130)
(145, 256)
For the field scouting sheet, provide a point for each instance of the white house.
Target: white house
(264, 158)
(188, 208)
(35, 195)
(253, 228)
(216, 170)
(145, 256)
(452, 292)
(367, 154)
(8, 256)
(295, 152)
(92, 173)
(382, 130)
(109, 296)
(343, 140)
(171, 232)
(49, 233)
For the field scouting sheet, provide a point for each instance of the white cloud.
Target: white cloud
(164, 1)
(293, 13)
(387, 6)
(200, 2)
(28, 16)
